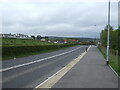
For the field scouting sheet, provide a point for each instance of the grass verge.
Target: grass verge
(34, 53)
(113, 59)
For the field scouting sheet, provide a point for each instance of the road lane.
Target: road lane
(31, 75)
(90, 72)
(36, 61)
(18, 61)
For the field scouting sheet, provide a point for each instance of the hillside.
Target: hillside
(23, 42)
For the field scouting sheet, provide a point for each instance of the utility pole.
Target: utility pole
(108, 38)
(95, 35)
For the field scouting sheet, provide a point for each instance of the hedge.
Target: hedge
(13, 51)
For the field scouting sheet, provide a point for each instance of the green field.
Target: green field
(113, 59)
(14, 48)
(22, 42)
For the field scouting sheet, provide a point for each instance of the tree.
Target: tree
(33, 37)
(39, 37)
(119, 27)
(46, 38)
(113, 37)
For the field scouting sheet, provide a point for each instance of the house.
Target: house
(14, 36)
(55, 41)
(65, 41)
(22, 36)
(43, 39)
(8, 35)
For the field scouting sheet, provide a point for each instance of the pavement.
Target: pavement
(28, 72)
(89, 72)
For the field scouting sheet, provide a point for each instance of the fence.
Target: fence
(113, 58)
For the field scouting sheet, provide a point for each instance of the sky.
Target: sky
(75, 18)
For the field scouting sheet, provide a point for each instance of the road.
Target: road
(90, 72)
(30, 71)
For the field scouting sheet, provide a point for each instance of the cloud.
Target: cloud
(58, 19)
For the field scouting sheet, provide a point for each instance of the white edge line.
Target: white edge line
(52, 76)
(114, 71)
(25, 64)
(48, 79)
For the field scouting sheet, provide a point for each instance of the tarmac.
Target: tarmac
(90, 72)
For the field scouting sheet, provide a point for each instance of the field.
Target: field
(22, 42)
(113, 59)
(14, 48)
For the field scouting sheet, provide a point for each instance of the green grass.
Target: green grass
(114, 62)
(15, 48)
(113, 59)
(32, 53)
(102, 50)
(22, 42)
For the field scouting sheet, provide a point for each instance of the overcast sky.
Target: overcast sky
(74, 19)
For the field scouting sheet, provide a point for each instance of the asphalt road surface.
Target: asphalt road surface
(28, 72)
(90, 72)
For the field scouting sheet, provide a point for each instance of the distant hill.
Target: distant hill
(78, 38)
(88, 39)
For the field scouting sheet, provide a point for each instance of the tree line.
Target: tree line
(39, 37)
(114, 37)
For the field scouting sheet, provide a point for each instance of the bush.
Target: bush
(14, 51)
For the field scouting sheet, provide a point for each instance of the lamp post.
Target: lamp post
(95, 35)
(108, 37)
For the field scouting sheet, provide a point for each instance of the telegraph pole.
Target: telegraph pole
(108, 38)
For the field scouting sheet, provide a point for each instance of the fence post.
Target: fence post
(116, 52)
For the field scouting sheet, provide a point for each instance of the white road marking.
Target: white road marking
(48, 83)
(25, 64)
(7, 79)
(114, 71)
(47, 79)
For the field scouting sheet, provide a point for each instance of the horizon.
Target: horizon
(53, 36)
(63, 19)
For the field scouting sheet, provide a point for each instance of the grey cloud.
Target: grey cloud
(62, 19)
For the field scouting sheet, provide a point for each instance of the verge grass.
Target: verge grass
(16, 48)
(113, 59)
(23, 42)
(31, 53)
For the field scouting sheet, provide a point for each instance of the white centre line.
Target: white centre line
(48, 83)
(25, 64)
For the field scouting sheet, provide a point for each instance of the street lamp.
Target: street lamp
(108, 38)
(95, 35)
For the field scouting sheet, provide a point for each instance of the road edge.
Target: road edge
(110, 66)
(48, 83)
(39, 60)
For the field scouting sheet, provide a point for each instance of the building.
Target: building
(65, 41)
(43, 39)
(22, 36)
(8, 35)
